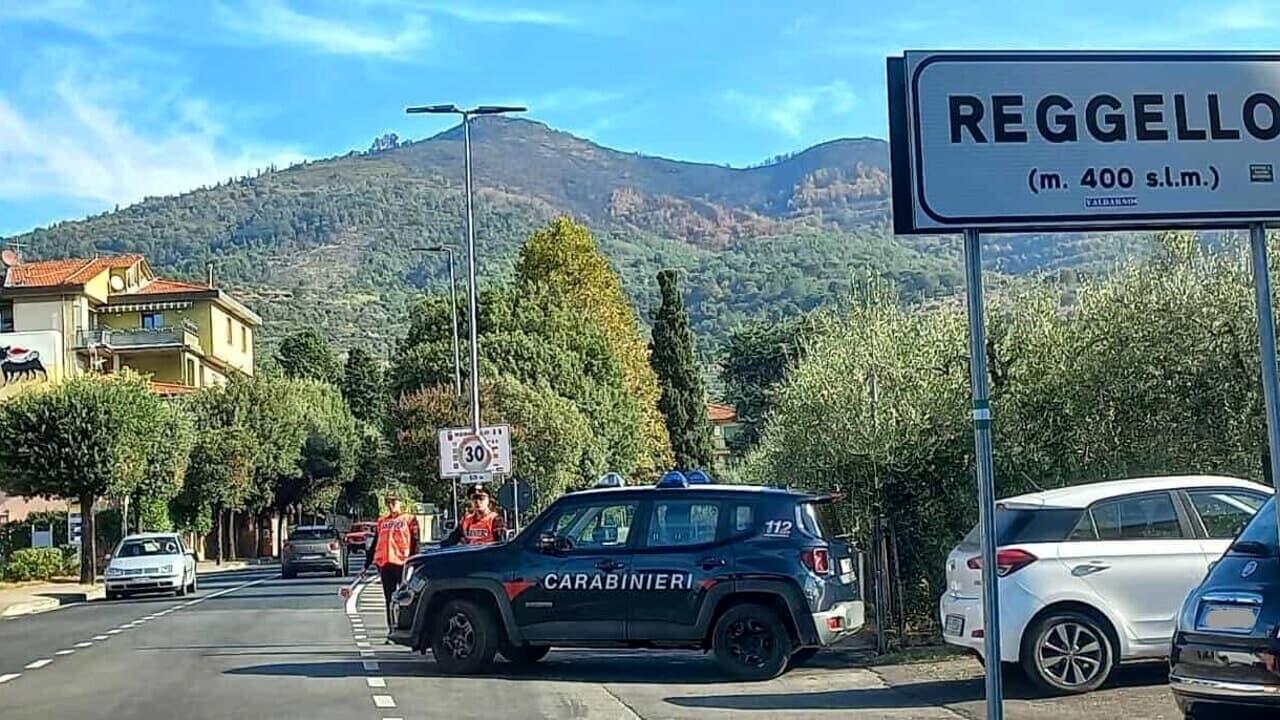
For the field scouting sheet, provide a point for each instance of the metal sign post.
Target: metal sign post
(1267, 340)
(985, 474)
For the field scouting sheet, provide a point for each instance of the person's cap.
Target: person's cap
(479, 490)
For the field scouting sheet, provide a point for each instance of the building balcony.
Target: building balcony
(185, 335)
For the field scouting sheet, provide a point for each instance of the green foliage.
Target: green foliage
(82, 439)
(33, 564)
(683, 401)
(305, 355)
(363, 386)
(219, 476)
(17, 534)
(754, 361)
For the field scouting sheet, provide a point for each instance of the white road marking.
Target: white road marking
(65, 652)
(366, 653)
(370, 664)
(151, 617)
(384, 701)
(84, 644)
(362, 644)
(113, 632)
(376, 682)
(10, 676)
(99, 637)
(36, 665)
(362, 637)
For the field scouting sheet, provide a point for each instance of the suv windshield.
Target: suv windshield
(313, 534)
(1015, 526)
(147, 547)
(1259, 536)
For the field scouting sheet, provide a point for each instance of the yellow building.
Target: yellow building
(65, 317)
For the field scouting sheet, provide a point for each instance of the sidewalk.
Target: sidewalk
(37, 597)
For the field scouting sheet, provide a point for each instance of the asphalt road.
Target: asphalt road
(251, 644)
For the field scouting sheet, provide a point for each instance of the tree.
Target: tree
(683, 401)
(168, 437)
(364, 387)
(305, 355)
(754, 362)
(562, 261)
(219, 477)
(80, 439)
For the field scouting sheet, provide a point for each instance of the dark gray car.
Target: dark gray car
(312, 548)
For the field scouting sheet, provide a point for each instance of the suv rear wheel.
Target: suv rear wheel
(751, 643)
(1067, 652)
(465, 638)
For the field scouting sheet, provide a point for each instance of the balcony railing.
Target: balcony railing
(186, 334)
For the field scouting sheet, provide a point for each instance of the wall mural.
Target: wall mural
(29, 357)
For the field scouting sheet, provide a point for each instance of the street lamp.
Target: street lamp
(453, 308)
(471, 233)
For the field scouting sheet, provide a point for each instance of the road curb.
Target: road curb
(32, 607)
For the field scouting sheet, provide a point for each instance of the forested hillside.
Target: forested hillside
(329, 243)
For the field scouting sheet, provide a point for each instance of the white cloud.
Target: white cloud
(275, 22)
(791, 112)
(502, 16)
(572, 99)
(77, 146)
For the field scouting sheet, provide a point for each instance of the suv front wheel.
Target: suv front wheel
(751, 643)
(465, 638)
(1067, 652)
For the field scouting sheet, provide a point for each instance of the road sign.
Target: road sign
(461, 451)
(513, 490)
(1047, 141)
(481, 478)
(74, 528)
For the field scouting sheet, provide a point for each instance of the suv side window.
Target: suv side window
(743, 520)
(596, 526)
(1142, 517)
(683, 522)
(1224, 512)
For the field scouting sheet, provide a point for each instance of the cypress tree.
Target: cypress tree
(683, 399)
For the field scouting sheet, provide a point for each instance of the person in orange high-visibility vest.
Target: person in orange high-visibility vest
(482, 525)
(395, 540)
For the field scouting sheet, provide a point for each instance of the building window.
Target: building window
(244, 339)
(230, 336)
(6, 316)
(152, 320)
(192, 378)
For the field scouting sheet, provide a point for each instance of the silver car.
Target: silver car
(312, 548)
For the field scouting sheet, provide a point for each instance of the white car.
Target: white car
(151, 562)
(1093, 575)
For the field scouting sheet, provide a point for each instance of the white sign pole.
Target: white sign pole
(1267, 340)
(986, 475)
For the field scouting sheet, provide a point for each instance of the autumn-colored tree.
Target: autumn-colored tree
(563, 261)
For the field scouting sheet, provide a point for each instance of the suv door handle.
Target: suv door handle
(1090, 568)
(710, 563)
(609, 565)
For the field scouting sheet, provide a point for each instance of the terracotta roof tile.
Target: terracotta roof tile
(114, 262)
(50, 273)
(718, 413)
(160, 286)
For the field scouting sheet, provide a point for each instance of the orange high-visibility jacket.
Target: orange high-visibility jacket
(482, 530)
(396, 539)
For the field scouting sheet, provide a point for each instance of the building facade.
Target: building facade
(60, 318)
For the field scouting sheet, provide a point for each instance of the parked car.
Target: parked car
(1226, 648)
(312, 548)
(150, 562)
(749, 573)
(358, 537)
(1093, 575)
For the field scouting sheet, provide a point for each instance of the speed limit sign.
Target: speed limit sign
(464, 452)
(474, 455)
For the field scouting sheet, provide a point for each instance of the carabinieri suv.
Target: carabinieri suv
(747, 573)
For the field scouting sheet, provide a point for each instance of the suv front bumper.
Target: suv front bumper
(844, 618)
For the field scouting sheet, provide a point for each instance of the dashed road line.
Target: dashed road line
(100, 637)
(65, 652)
(384, 701)
(362, 637)
(37, 664)
(84, 644)
(113, 632)
(376, 682)
(9, 676)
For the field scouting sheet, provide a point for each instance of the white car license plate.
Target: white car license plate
(955, 625)
(1228, 618)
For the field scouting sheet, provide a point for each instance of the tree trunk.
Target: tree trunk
(231, 521)
(218, 514)
(88, 542)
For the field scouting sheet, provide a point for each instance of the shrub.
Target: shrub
(33, 564)
(70, 561)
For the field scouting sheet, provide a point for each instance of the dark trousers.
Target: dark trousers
(390, 576)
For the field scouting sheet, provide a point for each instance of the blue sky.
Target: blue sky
(104, 102)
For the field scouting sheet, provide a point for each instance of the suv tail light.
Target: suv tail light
(1008, 561)
(817, 559)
